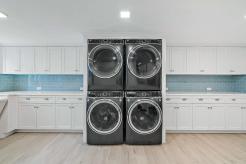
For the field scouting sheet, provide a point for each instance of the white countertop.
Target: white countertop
(42, 93)
(205, 93)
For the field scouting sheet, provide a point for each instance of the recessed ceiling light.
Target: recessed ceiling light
(245, 16)
(3, 16)
(125, 14)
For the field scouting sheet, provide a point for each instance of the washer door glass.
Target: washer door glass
(144, 118)
(104, 117)
(105, 61)
(144, 61)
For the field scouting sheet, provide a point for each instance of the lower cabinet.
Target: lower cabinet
(206, 117)
(46, 116)
(27, 116)
(63, 116)
(50, 116)
(234, 115)
(178, 117)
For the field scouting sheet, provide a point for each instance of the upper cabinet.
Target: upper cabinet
(42, 60)
(201, 60)
(231, 60)
(72, 60)
(176, 60)
(206, 60)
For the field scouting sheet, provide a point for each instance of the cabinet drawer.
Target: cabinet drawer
(214, 100)
(37, 99)
(183, 100)
(235, 100)
(69, 99)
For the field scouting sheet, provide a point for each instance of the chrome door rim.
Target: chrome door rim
(155, 51)
(148, 101)
(116, 51)
(115, 105)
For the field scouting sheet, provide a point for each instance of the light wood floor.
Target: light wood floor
(62, 148)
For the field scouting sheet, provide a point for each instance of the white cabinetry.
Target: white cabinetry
(234, 117)
(72, 60)
(77, 116)
(176, 60)
(184, 117)
(200, 117)
(63, 116)
(46, 116)
(27, 116)
(201, 60)
(41, 60)
(170, 114)
(26, 60)
(231, 60)
(12, 60)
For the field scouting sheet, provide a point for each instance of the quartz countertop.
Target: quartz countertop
(42, 93)
(205, 93)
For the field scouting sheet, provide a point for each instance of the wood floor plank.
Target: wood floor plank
(67, 148)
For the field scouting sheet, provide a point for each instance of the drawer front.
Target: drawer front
(206, 100)
(37, 99)
(232, 100)
(69, 99)
(183, 100)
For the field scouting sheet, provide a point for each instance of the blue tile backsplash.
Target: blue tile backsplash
(44, 82)
(195, 83)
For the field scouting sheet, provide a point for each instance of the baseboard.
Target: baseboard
(206, 131)
(4, 135)
(48, 131)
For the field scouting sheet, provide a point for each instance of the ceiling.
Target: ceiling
(179, 21)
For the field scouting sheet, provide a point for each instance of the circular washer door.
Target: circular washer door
(105, 61)
(104, 116)
(144, 116)
(144, 61)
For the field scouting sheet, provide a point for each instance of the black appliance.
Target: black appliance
(143, 118)
(143, 64)
(105, 64)
(105, 117)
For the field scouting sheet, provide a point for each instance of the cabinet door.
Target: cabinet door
(63, 116)
(177, 58)
(46, 116)
(41, 60)
(12, 60)
(184, 117)
(200, 117)
(202, 60)
(170, 117)
(77, 117)
(239, 58)
(208, 60)
(27, 116)
(217, 118)
(55, 58)
(234, 117)
(71, 58)
(27, 59)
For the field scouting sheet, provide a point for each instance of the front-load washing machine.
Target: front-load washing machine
(143, 118)
(105, 117)
(105, 64)
(143, 64)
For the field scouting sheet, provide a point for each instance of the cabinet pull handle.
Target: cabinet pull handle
(71, 107)
(46, 99)
(200, 99)
(36, 107)
(184, 99)
(202, 70)
(217, 99)
(233, 99)
(64, 98)
(168, 99)
(243, 107)
(28, 98)
(176, 107)
(210, 107)
(232, 71)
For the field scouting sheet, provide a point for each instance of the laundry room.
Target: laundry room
(124, 82)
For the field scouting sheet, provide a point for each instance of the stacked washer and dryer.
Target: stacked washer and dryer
(124, 102)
